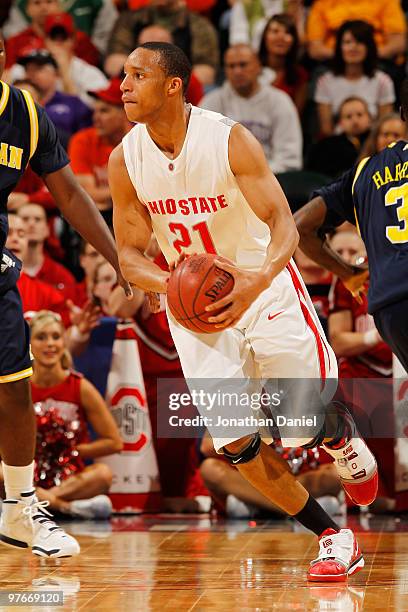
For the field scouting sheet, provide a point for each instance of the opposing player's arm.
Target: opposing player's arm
(313, 221)
(310, 221)
(133, 229)
(266, 198)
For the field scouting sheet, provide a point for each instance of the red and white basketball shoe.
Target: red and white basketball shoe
(355, 464)
(339, 557)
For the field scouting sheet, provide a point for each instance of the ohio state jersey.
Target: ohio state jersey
(194, 200)
(375, 361)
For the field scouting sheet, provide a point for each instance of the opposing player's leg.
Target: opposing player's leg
(392, 323)
(24, 521)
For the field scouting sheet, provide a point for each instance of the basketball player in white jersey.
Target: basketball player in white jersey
(202, 183)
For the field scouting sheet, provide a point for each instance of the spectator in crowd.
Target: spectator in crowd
(89, 259)
(335, 154)
(326, 17)
(37, 263)
(45, 15)
(35, 294)
(103, 285)
(354, 74)
(362, 354)
(191, 32)
(389, 128)
(28, 85)
(238, 498)
(89, 149)
(361, 351)
(266, 111)
(76, 76)
(73, 402)
(249, 17)
(199, 6)
(279, 51)
(96, 19)
(68, 113)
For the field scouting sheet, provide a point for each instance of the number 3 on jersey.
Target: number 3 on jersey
(184, 237)
(394, 196)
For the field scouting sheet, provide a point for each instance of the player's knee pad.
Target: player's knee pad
(249, 452)
(317, 440)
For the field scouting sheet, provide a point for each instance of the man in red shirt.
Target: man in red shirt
(35, 294)
(36, 263)
(33, 37)
(89, 149)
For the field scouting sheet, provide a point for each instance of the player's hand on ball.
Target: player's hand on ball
(173, 264)
(247, 286)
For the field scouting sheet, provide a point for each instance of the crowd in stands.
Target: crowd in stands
(316, 82)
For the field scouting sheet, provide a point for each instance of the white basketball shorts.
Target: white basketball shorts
(278, 338)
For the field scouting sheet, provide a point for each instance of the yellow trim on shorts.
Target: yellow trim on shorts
(16, 376)
(4, 96)
(357, 174)
(32, 111)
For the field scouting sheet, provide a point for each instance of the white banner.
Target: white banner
(136, 484)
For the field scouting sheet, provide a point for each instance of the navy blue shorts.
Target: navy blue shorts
(392, 323)
(15, 354)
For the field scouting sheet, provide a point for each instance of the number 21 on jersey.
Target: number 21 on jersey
(184, 236)
(398, 196)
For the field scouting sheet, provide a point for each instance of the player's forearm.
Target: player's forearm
(395, 44)
(315, 246)
(141, 272)
(285, 239)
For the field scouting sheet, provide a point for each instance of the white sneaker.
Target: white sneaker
(339, 557)
(98, 507)
(25, 525)
(355, 464)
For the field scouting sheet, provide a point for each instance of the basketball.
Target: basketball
(196, 283)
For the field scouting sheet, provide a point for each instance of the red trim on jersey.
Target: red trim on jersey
(310, 322)
(127, 333)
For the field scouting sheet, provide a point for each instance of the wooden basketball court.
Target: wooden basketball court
(138, 564)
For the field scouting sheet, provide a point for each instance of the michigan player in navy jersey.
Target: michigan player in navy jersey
(27, 136)
(374, 197)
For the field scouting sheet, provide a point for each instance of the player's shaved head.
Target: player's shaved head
(172, 60)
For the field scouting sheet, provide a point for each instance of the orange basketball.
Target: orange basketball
(194, 284)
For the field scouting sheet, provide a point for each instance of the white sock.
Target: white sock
(17, 479)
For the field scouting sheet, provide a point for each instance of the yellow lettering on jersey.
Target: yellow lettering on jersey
(15, 157)
(398, 173)
(10, 156)
(378, 180)
(398, 196)
(3, 154)
(388, 178)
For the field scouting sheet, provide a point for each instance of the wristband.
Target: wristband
(370, 338)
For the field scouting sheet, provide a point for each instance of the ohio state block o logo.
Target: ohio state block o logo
(130, 412)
